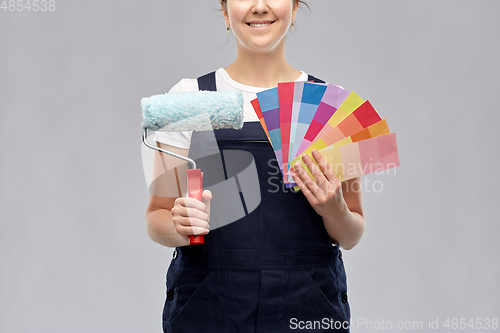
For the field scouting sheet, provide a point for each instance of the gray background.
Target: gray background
(74, 253)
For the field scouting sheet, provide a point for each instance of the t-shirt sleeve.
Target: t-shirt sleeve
(178, 139)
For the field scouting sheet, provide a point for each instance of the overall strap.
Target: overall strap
(207, 82)
(314, 79)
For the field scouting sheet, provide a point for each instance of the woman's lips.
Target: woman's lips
(260, 24)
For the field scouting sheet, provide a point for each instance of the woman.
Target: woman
(279, 268)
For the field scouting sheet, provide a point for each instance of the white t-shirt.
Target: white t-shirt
(224, 82)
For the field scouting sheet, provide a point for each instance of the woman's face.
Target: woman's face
(259, 25)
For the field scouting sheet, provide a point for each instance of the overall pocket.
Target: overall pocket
(200, 307)
(183, 279)
(316, 297)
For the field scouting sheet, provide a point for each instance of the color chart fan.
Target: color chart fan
(301, 116)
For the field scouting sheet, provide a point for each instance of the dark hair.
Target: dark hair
(299, 1)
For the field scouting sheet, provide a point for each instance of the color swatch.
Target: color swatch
(347, 130)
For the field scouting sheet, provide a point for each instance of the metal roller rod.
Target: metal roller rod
(191, 162)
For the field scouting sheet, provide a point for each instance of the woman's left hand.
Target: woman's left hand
(324, 194)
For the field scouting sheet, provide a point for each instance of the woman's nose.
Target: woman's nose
(260, 6)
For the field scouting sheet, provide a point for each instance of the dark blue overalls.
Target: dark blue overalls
(274, 270)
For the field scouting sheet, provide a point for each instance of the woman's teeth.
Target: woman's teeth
(259, 25)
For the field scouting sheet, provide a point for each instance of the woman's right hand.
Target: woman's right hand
(191, 216)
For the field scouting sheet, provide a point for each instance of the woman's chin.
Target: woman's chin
(262, 47)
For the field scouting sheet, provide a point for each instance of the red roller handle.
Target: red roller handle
(195, 190)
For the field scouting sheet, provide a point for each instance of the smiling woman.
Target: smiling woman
(278, 262)
(260, 28)
(260, 25)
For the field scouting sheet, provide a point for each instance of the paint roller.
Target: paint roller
(191, 111)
